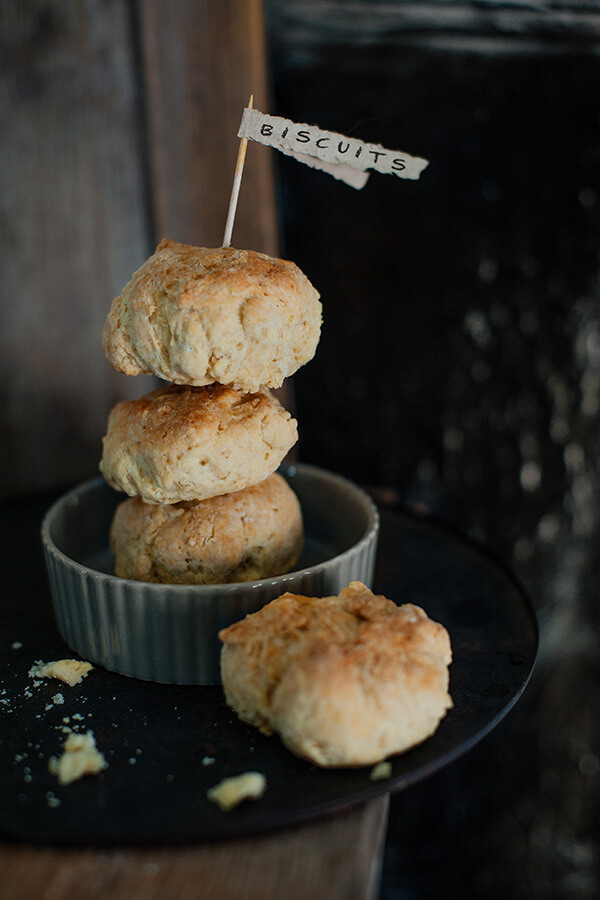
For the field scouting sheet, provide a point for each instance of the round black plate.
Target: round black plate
(167, 744)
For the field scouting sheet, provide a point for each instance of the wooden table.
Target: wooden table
(332, 858)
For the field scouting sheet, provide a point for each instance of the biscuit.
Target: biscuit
(251, 534)
(193, 315)
(344, 681)
(190, 443)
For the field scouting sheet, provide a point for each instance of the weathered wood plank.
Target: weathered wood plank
(332, 859)
(73, 226)
(202, 62)
(75, 209)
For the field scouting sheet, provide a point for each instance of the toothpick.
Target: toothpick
(235, 190)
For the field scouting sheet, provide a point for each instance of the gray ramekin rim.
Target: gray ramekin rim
(370, 533)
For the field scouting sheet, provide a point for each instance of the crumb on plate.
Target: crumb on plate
(80, 757)
(231, 791)
(381, 771)
(71, 671)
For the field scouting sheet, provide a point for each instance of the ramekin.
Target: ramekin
(169, 633)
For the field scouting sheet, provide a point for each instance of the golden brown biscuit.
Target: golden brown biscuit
(188, 443)
(344, 680)
(194, 315)
(251, 534)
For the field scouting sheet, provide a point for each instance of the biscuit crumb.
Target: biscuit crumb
(71, 671)
(381, 771)
(57, 700)
(231, 791)
(80, 757)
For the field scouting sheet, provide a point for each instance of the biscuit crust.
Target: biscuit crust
(344, 681)
(251, 534)
(191, 443)
(194, 315)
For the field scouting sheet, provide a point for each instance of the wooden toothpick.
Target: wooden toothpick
(235, 190)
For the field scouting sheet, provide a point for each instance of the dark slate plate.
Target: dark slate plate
(158, 738)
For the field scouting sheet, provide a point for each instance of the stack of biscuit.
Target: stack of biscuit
(198, 456)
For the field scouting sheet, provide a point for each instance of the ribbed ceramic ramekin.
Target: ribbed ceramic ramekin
(169, 632)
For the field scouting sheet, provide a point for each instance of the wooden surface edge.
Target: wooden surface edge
(330, 858)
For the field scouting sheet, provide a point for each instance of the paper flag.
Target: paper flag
(343, 157)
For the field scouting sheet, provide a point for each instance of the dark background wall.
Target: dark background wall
(459, 370)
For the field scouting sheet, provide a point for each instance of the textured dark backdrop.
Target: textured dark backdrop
(459, 368)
